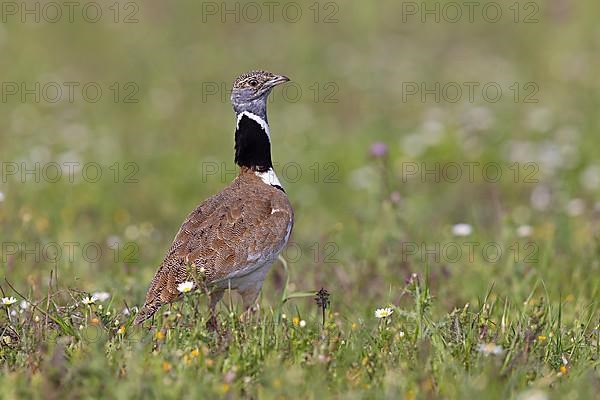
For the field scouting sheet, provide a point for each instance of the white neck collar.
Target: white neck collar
(269, 177)
(263, 124)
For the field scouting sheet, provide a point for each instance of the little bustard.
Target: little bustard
(233, 237)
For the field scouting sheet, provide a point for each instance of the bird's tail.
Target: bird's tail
(147, 311)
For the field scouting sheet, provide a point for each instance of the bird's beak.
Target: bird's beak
(278, 80)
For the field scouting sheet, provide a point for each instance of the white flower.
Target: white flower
(383, 312)
(532, 394)
(575, 207)
(524, 231)
(8, 301)
(88, 300)
(490, 349)
(185, 287)
(113, 241)
(541, 197)
(401, 334)
(101, 296)
(462, 230)
(590, 178)
(132, 232)
(23, 304)
(302, 323)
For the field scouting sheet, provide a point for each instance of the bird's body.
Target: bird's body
(233, 237)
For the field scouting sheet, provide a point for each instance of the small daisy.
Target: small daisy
(383, 312)
(462, 230)
(8, 301)
(490, 349)
(185, 287)
(88, 301)
(524, 231)
(302, 323)
(575, 207)
(101, 296)
(533, 394)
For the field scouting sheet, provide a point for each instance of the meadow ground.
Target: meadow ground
(443, 168)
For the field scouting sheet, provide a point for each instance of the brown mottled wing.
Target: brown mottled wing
(163, 287)
(227, 234)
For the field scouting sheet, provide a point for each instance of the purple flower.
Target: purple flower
(379, 149)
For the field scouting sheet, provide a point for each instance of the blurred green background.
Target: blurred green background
(351, 66)
(366, 140)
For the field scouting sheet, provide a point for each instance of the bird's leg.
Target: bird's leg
(214, 297)
(249, 297)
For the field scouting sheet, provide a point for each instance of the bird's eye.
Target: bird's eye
(253, 82)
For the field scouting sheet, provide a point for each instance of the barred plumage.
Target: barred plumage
(232, 238)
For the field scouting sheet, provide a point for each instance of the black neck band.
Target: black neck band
(252, 145)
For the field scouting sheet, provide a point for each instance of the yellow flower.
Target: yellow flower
(542, 338)
(195, 353)
(563, 370)
(570, 298)
(224, 388)
(94, 321)
(121, 330)
(159, 335)
(166, 366)
(296, 321)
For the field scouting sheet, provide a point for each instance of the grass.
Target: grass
(492, 348)
(508, 309)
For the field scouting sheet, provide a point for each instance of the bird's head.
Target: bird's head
(250, 91)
